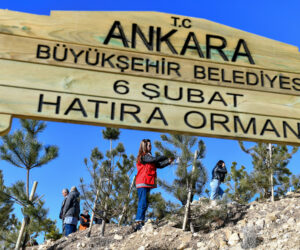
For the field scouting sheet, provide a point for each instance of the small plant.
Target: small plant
(205, 218)
(250, 239)
(53, 233)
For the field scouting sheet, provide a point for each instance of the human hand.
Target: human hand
(171, 159)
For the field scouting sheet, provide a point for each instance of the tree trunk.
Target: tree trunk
(26, 237)
(187, 206)
(110, 142)
(27, 183)
(126, 205)
(192, 227)
(25, 220)
(104, 219)
(109, 191)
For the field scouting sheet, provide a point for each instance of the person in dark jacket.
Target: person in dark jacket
(65, 193)
(146, 178)
(84, 220)
(97, 220)
(218, 175)
(71, 211)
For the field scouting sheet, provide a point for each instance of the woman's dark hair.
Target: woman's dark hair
(143, 149)
(220, 163)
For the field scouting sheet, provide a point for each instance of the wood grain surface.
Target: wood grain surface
(148, 71)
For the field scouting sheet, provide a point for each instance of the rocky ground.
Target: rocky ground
(258, 226)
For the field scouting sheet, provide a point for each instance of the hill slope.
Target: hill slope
(260, 225)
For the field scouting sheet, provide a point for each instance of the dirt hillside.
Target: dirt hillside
(257, 226)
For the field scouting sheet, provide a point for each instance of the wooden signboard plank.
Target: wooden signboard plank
(150, 71)
(147, 65)
(136, 115)
(165, 34)
(142, 89)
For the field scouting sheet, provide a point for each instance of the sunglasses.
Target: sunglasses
(146, 140)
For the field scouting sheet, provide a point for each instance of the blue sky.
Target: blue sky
(278, 20)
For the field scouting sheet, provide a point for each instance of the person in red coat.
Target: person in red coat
(146, 178)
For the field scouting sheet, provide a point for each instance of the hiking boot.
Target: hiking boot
(137, 226)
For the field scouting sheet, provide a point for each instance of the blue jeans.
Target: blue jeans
(69, 228)
(143, 194)
(216, 191)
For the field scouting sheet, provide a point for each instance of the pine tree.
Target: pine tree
(8, 222)
(295, 182)
(23, 150)
(9, 225)
(240, 185)
(268, 171)
(38, 223)
(191, 175)
(109, 134)
(183, 147)
(111, 174)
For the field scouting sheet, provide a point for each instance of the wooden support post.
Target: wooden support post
(94, 208)
(271, 172)
(187, 206)
(24, 224)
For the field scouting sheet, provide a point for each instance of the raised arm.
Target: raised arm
(163, 164)
(222, 170)
(152, 159)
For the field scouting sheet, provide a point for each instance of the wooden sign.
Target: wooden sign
(149, 71)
